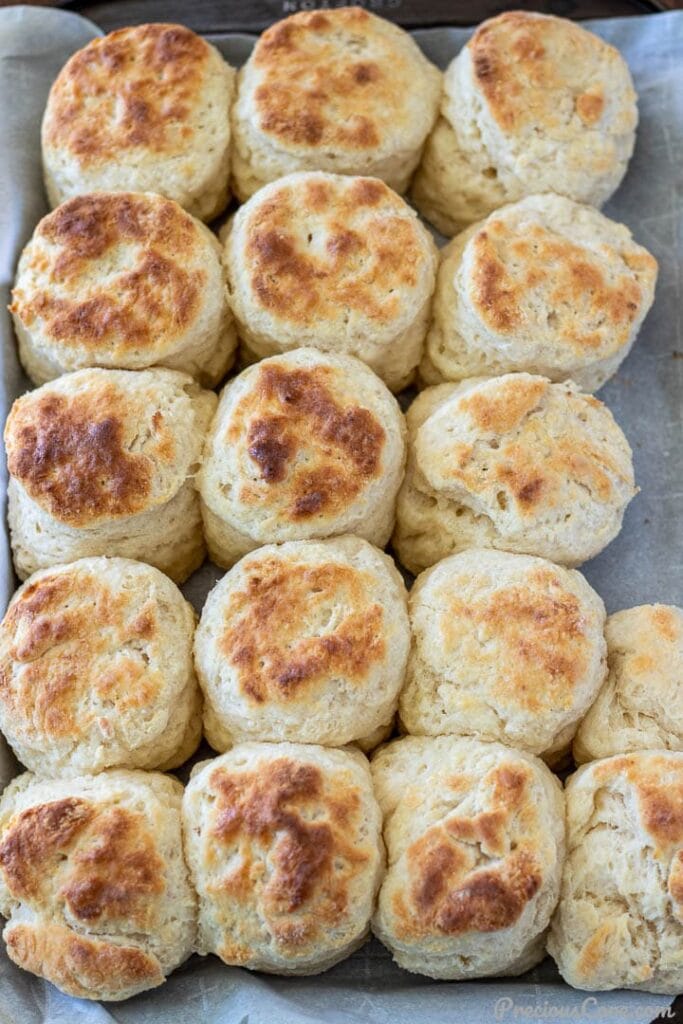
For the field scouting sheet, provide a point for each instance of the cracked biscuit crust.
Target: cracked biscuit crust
(619, 923)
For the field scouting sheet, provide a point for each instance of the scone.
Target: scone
(304, 445)
(475, 844)
(122, 280)
(303, 641)
(336, 90)
(93, 881)
(515, 463)
(619, 922)
(102, 462)
(337, 263)
(96, 670)
(143, 109)
(504, 647)
(284, 846)
(544, 285)
(640, 705)
(533, 103)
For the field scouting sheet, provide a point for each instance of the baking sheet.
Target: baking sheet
(642, 565)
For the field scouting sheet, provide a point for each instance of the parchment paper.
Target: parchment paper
(643, 564)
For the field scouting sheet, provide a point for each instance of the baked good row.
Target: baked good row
(531, 103)
(466, 857)
(342, 264)
(145, 464)
(103, 664)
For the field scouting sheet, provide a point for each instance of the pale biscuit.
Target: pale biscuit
(305, 641)
(96, 669)
(304, 445)
(515, 463)
(93, 881)
(337, 90)
(284, 846)
(340, 264)
(122, 280)
(544, 285)
(639, 707)
(532, 103)
(619, 922)
(505, 647)
(103, 462)
(475, 845)
(143, 109)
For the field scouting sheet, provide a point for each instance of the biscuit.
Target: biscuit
(284, 846)
(505, 647)
(132, 702)
(544, 285)
(515, 463)
(125, 281)
(336, 90)
(304, 445)
(532, 103)
(143, 109)
(639, 707)
(335, 263)
(102, 462)
(619, 923)
(475, 844)
(93, 881)
(305, 641)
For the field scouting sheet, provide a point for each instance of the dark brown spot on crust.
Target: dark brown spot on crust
(271, 448)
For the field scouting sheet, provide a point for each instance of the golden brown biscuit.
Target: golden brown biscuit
(122, 280)
(475, 845)
(337, 90)
(337, 263)
(532, 103)
(96, 670)
(93, 881)
(515, 463)
(619, 922)
(143, 109)
(103, 461)
(505, 647)
(284, 846)
(639, 707)
(305, 641)
(545, 286)
(304, 445)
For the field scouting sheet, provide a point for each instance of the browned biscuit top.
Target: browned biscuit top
(322, 249)
(112, 272)
(546, 72)
(312, 448)
(100, 861)
(534, 634)
(516, 273)
(332, 79)
(134, 88)
(298, 832)
(450, 893)
(275, 635)
(94, 453)
(69, 644)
